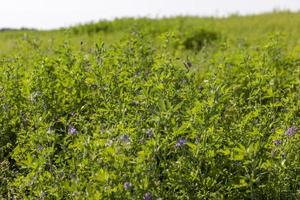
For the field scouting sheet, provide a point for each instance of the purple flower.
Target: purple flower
(180, 142)
(273, 130)
(149, 133)
(277, 142)
(125, 138)
(5, 107)
(291, 131)
(127, 185)
(109, 143)
(147, 196)
(72, 130)
(40, 147)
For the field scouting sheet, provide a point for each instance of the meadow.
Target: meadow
(172, 108)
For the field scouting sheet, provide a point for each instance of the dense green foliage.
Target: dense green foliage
(154, 109)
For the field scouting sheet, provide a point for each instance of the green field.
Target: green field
(172, 108)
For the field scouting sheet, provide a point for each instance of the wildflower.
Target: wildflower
(127, 185)
(125, 138)
(50, 130)
(5, 107)
(147, 196)
(277, 142)
(273, 130)
(200, 88)
(109, 143)
(34, 96)
(149, 133)
(39, 147)
(291, 131)
(135, 103)
(72, 130)
(181, 142)
(102, 130)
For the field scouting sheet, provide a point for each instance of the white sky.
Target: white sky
(47, 14)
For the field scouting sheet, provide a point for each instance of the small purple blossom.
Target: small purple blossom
(147, 196)
(291, 131)
(109, 143)
(149, 133)
(5, 107)
(127, 185)
(180, 142)
(125, 138)
(277, 142)
(40, 147)
(72, 130)
(273, 130)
